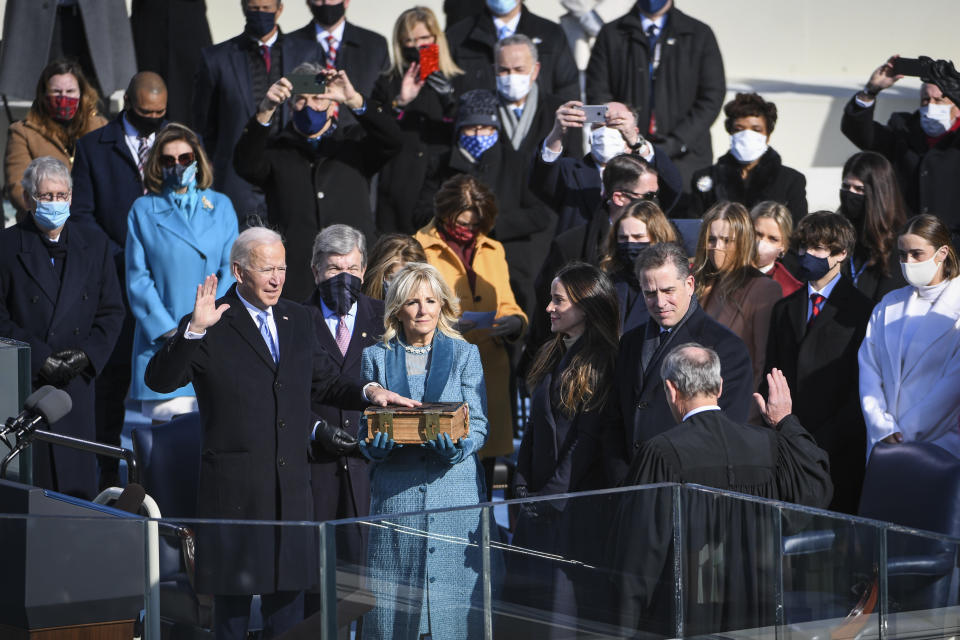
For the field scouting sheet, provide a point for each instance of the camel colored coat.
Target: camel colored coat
(493, 293)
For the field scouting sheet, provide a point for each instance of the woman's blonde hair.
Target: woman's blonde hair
(740, 254)
(153, 172)
(405, 285)
(405, 24)
(658, 228)
(780, 215)
(390, 250)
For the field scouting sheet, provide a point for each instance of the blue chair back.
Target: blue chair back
(169, 459)
(689, 230)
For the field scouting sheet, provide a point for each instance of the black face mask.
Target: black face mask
(327, 14)
(627, 252)
(260, 23)
(410, 54)
(340, 292)
(852, 204)
(144, 125)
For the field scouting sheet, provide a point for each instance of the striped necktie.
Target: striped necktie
(332, 63)
(817, 301)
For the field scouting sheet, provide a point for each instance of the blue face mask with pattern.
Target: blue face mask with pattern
(179, 176)
(51, 215)
(477, 145)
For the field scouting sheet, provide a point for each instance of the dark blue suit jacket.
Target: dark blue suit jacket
(637, 408)
(105, 183)
(223, 103)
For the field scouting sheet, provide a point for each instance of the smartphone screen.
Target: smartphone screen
(429, 60)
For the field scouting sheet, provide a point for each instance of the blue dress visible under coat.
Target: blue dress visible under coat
(170, 250)
(425, 569)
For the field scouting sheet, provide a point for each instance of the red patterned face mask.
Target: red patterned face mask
(63, 108)
(459, 232)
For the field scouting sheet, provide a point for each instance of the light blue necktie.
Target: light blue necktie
(267, 336)
(518, 111)
(503, 32)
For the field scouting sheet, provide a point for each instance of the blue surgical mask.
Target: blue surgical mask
(477, 145)
(51, 215)
(309, 121)
(501, 7)
(812, 268)
(179, 176)
(650, 7)
(260, 23)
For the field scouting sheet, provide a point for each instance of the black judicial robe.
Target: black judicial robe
(729, 553)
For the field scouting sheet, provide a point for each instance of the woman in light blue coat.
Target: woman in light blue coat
(178, 233)
(424, 569)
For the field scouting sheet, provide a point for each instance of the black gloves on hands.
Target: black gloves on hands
(335, 440)
(63, 366)
(943, 74)
(443, 88)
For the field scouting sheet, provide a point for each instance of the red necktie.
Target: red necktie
(817, 301)
(332, 63)
(265, 52)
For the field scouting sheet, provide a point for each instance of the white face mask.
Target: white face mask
(767, 253)
(606, 144)
(935, 119)
(513, 86)
(748, 145)
(920, 274)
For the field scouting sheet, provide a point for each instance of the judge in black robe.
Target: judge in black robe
(729, 549)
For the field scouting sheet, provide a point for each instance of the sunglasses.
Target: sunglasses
(184, 160)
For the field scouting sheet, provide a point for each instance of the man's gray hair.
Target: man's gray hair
(338, 239)
(515, 39)
(693, 369)
(308, 67)
(657, 255)
(249, 240)
(44, 168)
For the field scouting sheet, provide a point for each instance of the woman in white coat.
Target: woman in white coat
(910, 357)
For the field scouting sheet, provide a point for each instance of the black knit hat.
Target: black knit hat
(478, 107)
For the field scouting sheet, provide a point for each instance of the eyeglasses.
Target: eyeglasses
(184, 160)
(652, 196)
(59, 196)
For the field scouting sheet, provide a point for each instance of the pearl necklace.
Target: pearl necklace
(416, 350)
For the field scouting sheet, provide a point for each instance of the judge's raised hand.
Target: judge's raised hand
(382, 397)
(206, 313)
(778, 404)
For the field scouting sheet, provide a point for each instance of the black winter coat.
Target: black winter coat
(472, 41)
(928, 176)
(84, 310)
(688, 89)
(769, 180)
(256, 421)
(308, 189)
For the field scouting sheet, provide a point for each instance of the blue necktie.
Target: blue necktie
(267, 336)
(503, 32)
(518, 111)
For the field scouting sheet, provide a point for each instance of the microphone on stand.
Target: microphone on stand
(45, 405)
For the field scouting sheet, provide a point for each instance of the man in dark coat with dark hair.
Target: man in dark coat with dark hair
(59, 293)
(668, 66)
(472, 41)
(316, 172)
(254, 389)
(637, 408)
(231, 80)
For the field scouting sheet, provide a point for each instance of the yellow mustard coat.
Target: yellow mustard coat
(493, 293)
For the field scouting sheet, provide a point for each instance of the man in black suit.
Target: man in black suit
(815, 335)
(472, 42)
(231, 81)
(107, 178)
(254, 388)
(346, 322)
(59, 294)
(637, 408)
(362, 53)
(729, 542)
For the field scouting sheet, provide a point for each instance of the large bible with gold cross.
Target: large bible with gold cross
(415, 425)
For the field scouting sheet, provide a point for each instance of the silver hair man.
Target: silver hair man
(45, 168)
(693, 370)
(338, 239)
(249, 240)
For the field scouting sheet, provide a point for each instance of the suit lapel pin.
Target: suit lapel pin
(284, 317)
(363, 334)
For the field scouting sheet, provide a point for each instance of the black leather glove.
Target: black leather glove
(943, 74)
(335, 440)
(55, 371)
(443, 88)
(77, 360)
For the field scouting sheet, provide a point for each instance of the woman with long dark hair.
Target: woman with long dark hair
(729, 288)
(910, 356)
(870, 198)
(64, 109)
(643, 223)
(569, 379)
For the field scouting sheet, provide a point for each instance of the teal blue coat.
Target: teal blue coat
(167, 256)
(435, 554)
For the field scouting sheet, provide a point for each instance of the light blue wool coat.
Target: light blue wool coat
(424, 569)
(169, 251)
